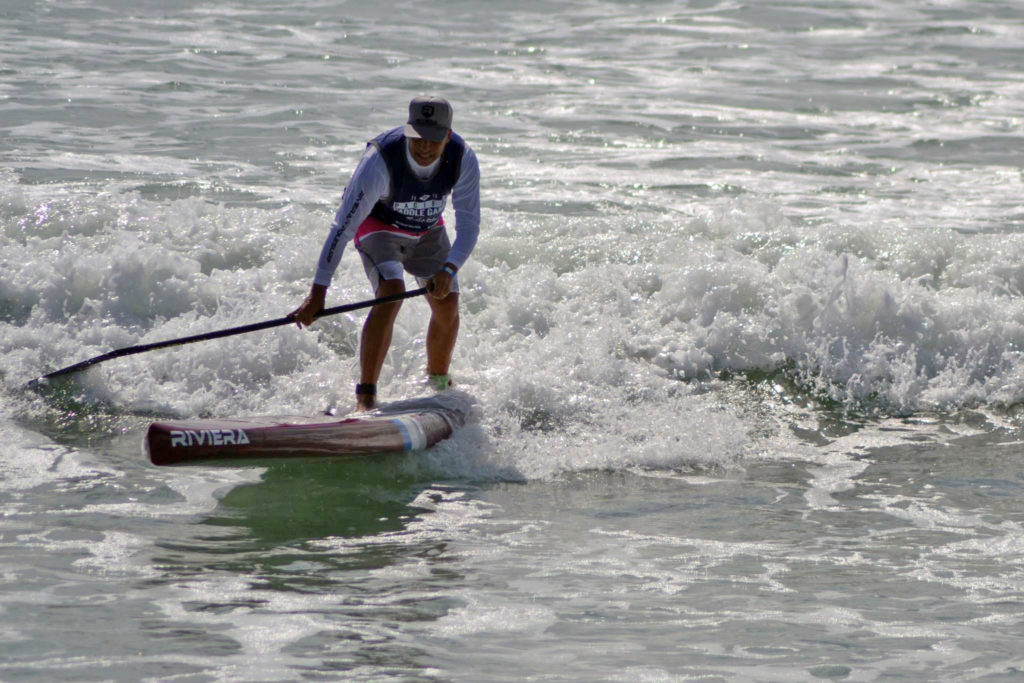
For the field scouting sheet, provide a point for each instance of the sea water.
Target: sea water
(744, 336)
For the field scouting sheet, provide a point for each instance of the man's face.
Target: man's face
(426, 152)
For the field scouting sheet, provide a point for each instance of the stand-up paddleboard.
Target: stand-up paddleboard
(397, 427)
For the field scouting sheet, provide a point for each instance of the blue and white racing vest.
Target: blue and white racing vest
(415, 205)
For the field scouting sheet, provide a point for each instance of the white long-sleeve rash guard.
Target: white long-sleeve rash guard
(370, 182)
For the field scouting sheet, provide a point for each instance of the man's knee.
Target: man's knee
(446, 311)
(388, 311)
(390, 287)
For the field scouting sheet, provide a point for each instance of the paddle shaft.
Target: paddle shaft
(254, 327)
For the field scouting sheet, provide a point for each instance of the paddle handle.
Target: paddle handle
(217, 334)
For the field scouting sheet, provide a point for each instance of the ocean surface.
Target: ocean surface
(743, 334)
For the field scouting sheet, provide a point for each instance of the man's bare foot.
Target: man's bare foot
(366, 397)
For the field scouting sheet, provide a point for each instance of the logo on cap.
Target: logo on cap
(428, 110)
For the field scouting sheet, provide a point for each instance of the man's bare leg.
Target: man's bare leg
(376, 340)
(442, 333)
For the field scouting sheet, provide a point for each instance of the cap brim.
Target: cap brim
(426, 132)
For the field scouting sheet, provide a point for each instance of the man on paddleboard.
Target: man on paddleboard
(392, 210)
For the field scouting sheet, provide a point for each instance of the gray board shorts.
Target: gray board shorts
(386, 254)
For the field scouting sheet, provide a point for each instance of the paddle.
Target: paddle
(254, 327)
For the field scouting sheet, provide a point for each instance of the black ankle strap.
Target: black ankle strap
(367, 389)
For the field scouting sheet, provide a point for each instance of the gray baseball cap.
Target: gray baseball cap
(430, 117)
